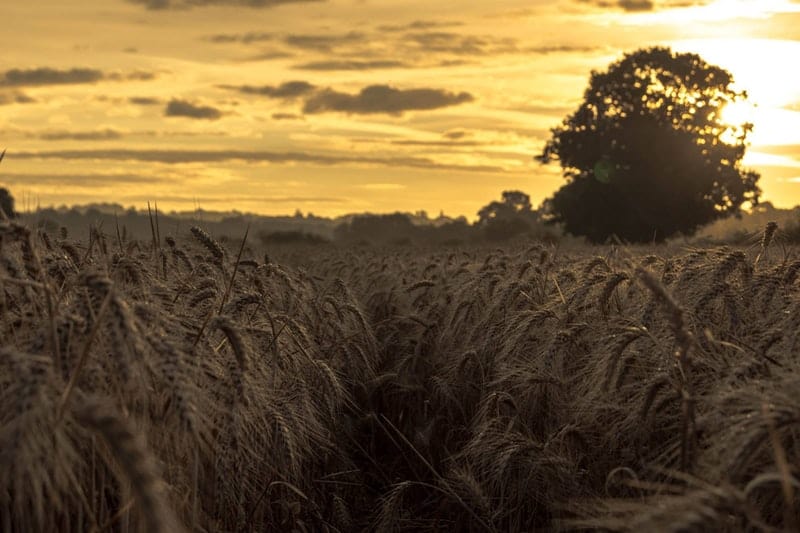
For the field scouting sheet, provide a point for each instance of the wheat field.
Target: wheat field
(176, 384)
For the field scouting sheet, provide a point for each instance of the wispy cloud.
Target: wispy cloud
(187, 4)
(461, 44)
(383, 186)
(71, 180)
(106, 134)
(324, 42)
(245, 38)
(419, 25)
(173, 157)
(352, 64)
(289, 89)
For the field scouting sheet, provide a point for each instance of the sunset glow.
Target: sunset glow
(339, 106)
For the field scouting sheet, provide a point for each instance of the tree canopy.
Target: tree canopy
(648, 154)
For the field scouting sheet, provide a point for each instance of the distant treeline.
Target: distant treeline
(499, 221)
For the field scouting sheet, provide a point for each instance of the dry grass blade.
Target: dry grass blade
(235, 270)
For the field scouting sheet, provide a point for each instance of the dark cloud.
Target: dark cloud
(187, 4)
(354, 64)
(183, 108)
(137, 75)
(635, 6)
(287, 90)
(15, 98)
(383, 99)
(107, 134)
(456, 134)
(144, 100)
(42, 76)
(286, 116)
(324, 43)
(174, 157)
(625, 5)
(49, 76)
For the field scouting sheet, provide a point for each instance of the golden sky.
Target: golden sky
(339, 106)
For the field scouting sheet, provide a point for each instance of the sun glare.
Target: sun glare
(736, 115)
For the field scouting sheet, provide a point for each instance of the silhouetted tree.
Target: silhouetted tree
(7, 203)
(395, 228)
(513, 203)
(646, 154)
(510, 216)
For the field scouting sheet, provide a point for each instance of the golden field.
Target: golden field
(174, 383)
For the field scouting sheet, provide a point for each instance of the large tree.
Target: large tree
(648, 154)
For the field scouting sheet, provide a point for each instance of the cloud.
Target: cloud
(136, 75)
(48, 76)
(246, 199)
(458, 44)
(419, 25)
(7, 98)
(287, 90)
(456, 134)
(144, 100)
(448, 143)
(43, 76)
(383, 186)
(286, 116)
(84, 179)
(323, 43)
(174, 157)
(245, 38)
(383, 99)
(183, 108)
(563, 49)
(107, 134)
(353, 64)
(187, 4)
(638, 6)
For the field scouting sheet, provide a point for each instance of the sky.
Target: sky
(343, 106)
